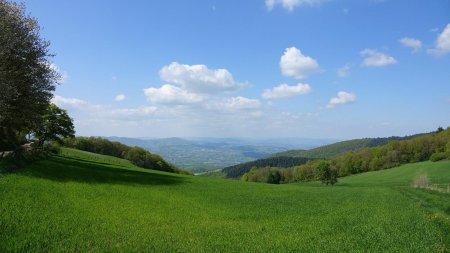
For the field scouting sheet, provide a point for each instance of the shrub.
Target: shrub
(438, 156)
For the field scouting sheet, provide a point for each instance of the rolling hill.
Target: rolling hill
(84, 202)
(338, 148)
(292, 158)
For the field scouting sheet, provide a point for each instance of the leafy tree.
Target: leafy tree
(27, 78)
(56, 125)
(326, 174)
(274, 177)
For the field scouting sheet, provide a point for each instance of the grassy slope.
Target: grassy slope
(81, 202)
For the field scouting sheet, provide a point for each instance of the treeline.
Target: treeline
(339, 148)
(236, 171)
(432, 147)
(137, 155)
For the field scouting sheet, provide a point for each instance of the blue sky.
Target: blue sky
(256, 68)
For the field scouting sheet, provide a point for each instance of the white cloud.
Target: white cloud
(291, 4)
(284, 90)
(294, 64)
(120, 97)
(415, 44)
(230, 104)
(199, 78)
(141, 111)
(169, 94)
(442, 45)
(341, 98)
(344, 71)
(240, 103)
(62, 101)
(373, 58)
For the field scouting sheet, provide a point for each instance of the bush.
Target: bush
(438, 156)
(53, 147)
(184, 172)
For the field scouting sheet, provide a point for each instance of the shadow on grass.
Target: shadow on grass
(66, 169)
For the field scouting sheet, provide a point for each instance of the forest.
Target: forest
(434, 147)
(278, 161)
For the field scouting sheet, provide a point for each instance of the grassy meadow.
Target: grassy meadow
(83, 202)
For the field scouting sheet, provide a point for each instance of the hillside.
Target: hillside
(84, 202)
(205, 154)
(238, 170)
(299, 157)
(342, 147)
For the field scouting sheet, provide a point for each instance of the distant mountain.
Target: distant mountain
(205, 154)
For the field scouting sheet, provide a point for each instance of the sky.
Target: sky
(256, 68)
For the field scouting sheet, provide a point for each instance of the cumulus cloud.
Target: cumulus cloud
(412, 43)
(341, 98)
(442, 44)
(294, 64)
(241, 103)
(62, 101)
(291, 4)
(169, 94)
(284, 91)
(141, 111)
(344, 71)
(373, 58)
(86, 113)
(120, 97)
(199, 78)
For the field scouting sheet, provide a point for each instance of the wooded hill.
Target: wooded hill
(342, 147)
(238, 170)
(293, 158)
(434, 147)
(137, 155)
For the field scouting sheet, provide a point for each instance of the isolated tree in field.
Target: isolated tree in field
(55, 125)
(326, 174)
(27, 78)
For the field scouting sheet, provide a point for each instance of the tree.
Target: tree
(274, 176)
(27, 78)
(326, 174)
(55, 125)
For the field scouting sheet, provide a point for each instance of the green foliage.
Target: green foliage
(439, 156)
(422, 148)
(84, 202)
(238, 170)
(325, 173)
(55, 125)
(27, 78)
(136, 155)
(339, 148)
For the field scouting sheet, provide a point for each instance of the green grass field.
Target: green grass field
(83, 202)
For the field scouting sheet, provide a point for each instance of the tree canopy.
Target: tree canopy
(27, 77)
(55, 126)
